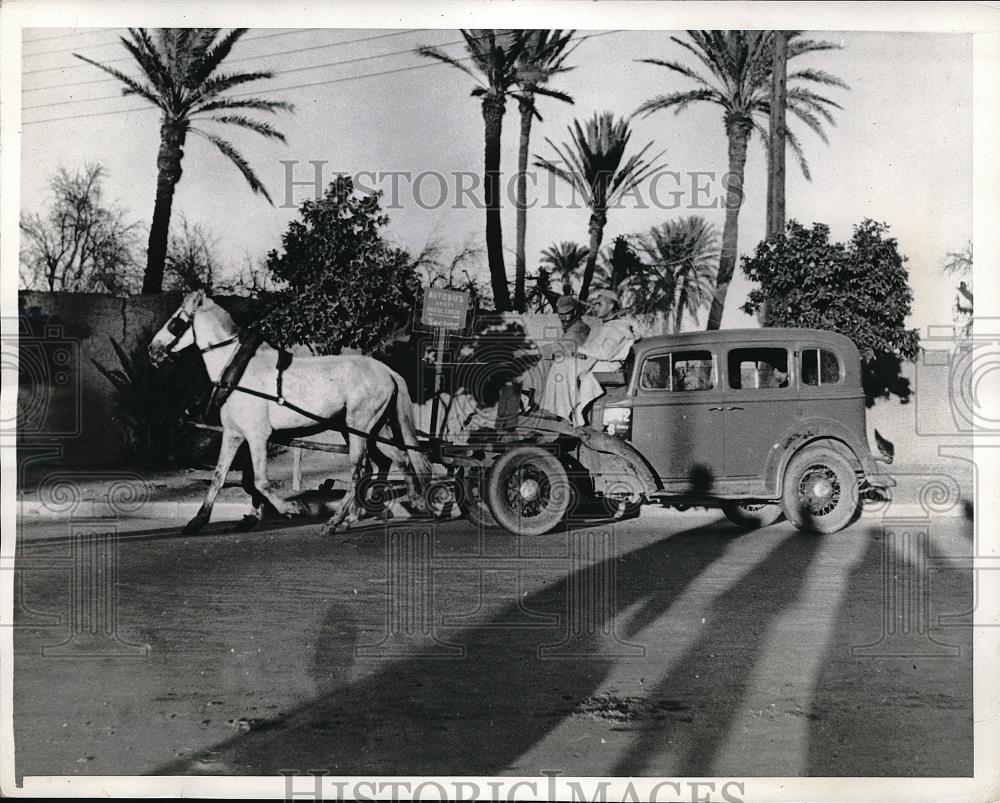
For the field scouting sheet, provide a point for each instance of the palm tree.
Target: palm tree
(179, 78)
(565, 262)
(619, 263)
(495, 54)
(680, 264)
(594, 165)
(739, 65)
(543, 56)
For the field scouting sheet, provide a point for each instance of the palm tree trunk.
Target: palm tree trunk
(738, 132)
(682, 300)
(522, 209)
(598, 219)
(493, 110)
(168, 160)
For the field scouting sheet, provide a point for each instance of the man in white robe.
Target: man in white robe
(571, 386)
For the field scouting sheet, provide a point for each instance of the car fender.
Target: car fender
(617, 463)
(811, 430)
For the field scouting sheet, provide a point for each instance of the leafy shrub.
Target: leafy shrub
(859, 289)
(343, 285)
(152, 403)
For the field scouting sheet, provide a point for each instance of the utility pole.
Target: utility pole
(776, 151)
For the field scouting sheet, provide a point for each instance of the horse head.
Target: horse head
(178, 332)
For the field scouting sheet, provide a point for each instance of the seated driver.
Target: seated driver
(571, 385)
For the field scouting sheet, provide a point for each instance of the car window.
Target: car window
(758, 368)
(678, 371)
(820, 367)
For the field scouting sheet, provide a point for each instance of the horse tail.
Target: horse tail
(404, 417)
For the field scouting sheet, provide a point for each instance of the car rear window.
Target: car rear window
(678, 371)
(820, 367)
(758, 368)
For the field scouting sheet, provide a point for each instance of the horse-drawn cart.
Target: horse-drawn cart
(758, 422)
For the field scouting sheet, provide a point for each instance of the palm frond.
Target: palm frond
(230, 152)
(793, 141)
(262, 128)
(678, 101)
(211, 56)
(797, 46)
(818, 77)
(810, 119)
(740, 62)
(444, 58)
(257, 104)
(212, 87)
(144, 51)
(132, 87)
(677, 67)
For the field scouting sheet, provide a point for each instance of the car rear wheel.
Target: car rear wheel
(752, 515)
(820, 493)
(528, 491)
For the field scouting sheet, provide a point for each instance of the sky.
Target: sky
(365, 101)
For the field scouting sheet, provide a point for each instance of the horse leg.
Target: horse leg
(382, 457)
(231, 442)
(348, 505)
(253, 518)
(258, 458)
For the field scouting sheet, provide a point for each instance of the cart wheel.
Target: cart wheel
(820, 492)
(752, 515)
(439, 496)
(528, 491)
(469, 488)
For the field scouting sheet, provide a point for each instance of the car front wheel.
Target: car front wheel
(528, 491)
(820, 493)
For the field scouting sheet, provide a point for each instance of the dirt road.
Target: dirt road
(672, 644)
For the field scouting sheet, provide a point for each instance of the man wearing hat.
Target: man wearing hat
(571, 385)
(570, 316)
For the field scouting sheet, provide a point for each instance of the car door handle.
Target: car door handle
(735, 408)
(715, 408)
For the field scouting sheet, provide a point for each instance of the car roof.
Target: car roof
(784, 336)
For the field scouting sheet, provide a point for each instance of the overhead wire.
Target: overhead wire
(117, 41)
(341, 79)
(341, 62)
(241, 58)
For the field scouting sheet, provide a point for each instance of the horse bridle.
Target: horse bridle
(178, 326)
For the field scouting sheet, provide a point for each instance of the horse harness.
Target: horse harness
(237, 365)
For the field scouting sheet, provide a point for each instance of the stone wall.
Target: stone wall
(64, 402)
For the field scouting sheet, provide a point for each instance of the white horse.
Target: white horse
(367, 393)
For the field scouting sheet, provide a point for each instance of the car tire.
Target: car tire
(820, 493)
(528, 491)
(470, 490)
(752, 515)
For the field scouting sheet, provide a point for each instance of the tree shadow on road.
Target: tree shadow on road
(713, 676)
(894, 694)
(476, 715)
